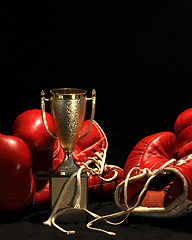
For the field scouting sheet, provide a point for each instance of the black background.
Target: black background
(138, 57)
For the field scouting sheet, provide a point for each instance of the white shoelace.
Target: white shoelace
(127, 210)
(101, 166)
(99, 161)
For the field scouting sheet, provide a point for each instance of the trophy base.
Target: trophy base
(68, 166)
(70, 215)
(66, 170)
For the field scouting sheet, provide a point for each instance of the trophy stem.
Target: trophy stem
(67, 167)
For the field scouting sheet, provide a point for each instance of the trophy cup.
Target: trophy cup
(68, 107)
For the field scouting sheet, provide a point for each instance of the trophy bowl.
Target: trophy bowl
(68, 108)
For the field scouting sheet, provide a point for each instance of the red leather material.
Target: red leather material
(30, 128)
(183, 130)
(95, 141)
(183, 121)
(16, 178)
(186, 170)
(151, 152)
(47, 153)
(184, 151)
(86, 147)
(162, 197)
(99, 188)
(155, 150)
(42, 162)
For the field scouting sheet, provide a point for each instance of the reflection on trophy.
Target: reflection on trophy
(68, 107)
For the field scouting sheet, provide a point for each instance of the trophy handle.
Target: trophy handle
(43, 100)
(93, 99)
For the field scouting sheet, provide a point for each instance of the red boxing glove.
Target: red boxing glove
(156, 184)
(46, 151)
(16, 178)
(91, 146)
(42, 162)
(151, 153)
(183, 131)
(30, 128)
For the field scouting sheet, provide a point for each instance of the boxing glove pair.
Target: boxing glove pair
(27, 156)
(158, 173)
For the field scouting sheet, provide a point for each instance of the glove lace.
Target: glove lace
(100, 164)
(99, 167)
(126, 209)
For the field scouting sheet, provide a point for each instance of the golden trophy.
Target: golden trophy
(68, 107)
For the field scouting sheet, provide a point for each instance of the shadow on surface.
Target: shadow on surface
(180, 224)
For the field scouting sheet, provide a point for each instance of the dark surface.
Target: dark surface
(31, 227)
(138, 58)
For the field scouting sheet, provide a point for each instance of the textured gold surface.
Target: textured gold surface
(68, 106)
(68, 113)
